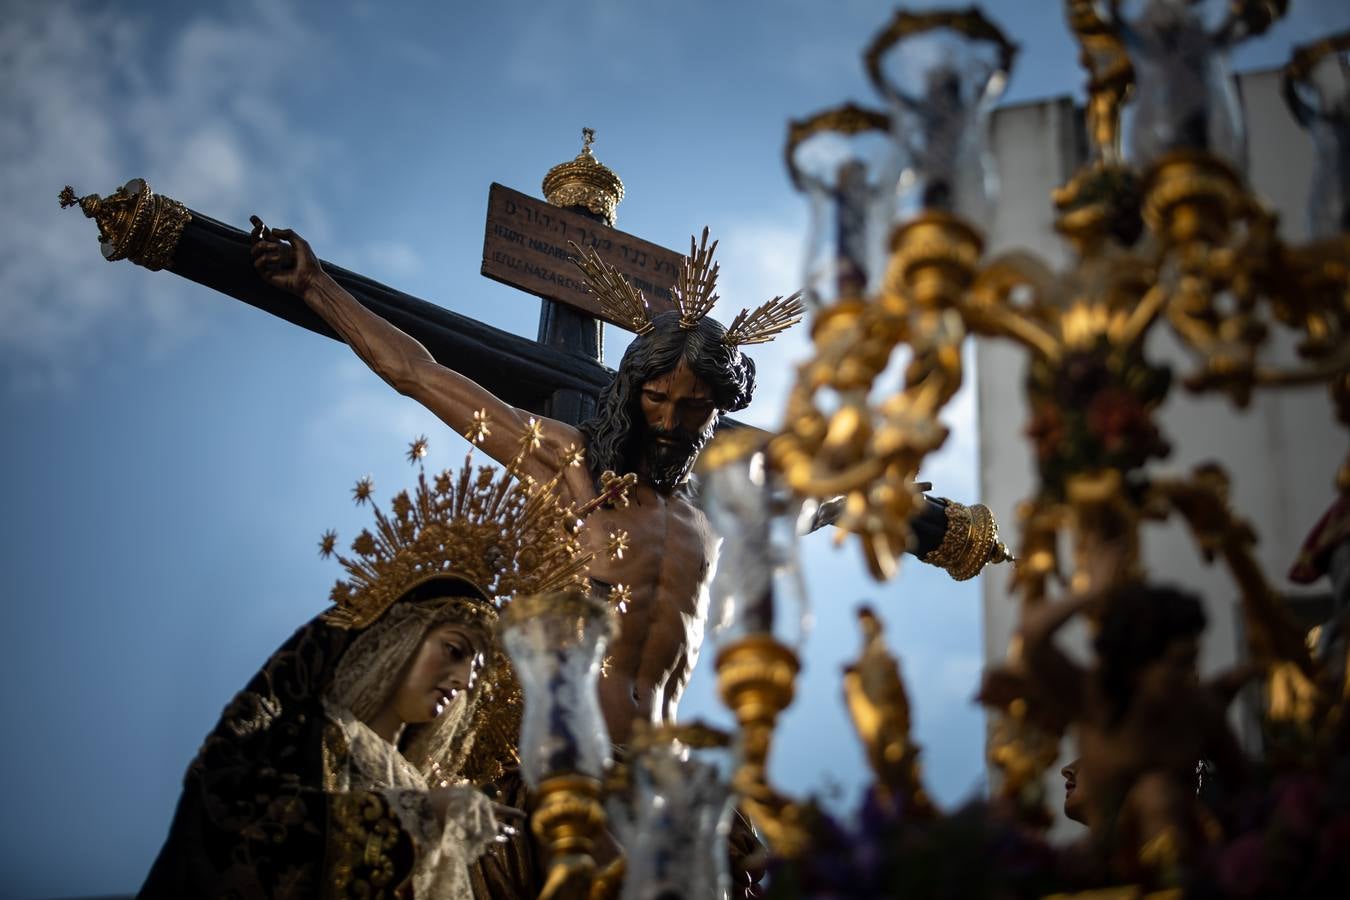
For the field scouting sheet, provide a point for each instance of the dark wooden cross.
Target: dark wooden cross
(526, 245)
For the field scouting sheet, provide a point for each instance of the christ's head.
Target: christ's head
(665, 400)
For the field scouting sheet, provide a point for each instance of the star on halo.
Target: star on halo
(532, 436)
(573, 456)
(478, 430)
(364, 488)
(417, 449)
(327, 543)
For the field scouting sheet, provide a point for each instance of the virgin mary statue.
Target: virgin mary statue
(350, 764)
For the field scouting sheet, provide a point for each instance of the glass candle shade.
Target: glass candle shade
(941, 73)
(757, 588)
(1317, 89)
(1185, 98)
(673, 822)
(845, 162)
(555, 642)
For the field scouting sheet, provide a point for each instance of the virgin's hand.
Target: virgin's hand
(283, 258)
(509, 821)
(441, 799)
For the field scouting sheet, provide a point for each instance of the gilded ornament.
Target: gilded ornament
(620, 300)
(504, 536)
(849, 119)
(134, 223)
(969, 543)
(585, 182)
(769, 319)
(417, 449)
(567, 819)
(906, 24)
(879, 706)
(695, 290)
(695, 294)
(755, 679)
(1192, 196)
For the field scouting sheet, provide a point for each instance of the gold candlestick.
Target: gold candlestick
(756, 679)
(566, 822)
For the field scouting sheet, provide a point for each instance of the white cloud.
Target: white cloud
(91, 100)
(387, 260)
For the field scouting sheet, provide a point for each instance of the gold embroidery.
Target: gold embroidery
(362, 836)
(334, 750)
(250, 713)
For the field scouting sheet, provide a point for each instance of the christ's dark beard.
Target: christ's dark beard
(665, 457)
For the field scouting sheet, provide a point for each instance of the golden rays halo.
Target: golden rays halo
(695, 295)
(503, 534)
(506, 535)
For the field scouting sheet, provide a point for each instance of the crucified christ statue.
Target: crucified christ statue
(676, 378)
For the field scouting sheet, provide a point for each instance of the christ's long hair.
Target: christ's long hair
(729, 373)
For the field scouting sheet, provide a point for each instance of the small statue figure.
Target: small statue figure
(1142, 718)
(879, 707)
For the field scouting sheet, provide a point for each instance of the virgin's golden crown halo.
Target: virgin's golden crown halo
(503, 535)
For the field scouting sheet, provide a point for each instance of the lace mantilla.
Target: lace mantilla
(445, 848)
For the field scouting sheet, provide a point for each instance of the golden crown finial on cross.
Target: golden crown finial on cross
(585, 181)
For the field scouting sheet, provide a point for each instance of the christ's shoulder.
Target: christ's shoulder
(560, 433)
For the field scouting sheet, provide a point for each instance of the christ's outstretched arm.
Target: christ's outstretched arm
(285, 260)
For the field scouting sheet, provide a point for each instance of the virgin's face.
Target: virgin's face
(447, 663)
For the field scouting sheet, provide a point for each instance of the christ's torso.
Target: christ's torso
(666, 569)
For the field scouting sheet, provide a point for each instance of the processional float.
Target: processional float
(1165, 234)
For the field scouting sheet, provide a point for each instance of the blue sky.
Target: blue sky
(174, 455)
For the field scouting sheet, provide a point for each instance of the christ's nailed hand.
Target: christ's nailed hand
(283, 258)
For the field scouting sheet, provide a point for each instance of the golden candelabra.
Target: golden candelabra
(1180, 242)
(755, 679)
(567, 819)
(1165, 237)
(556, 641)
